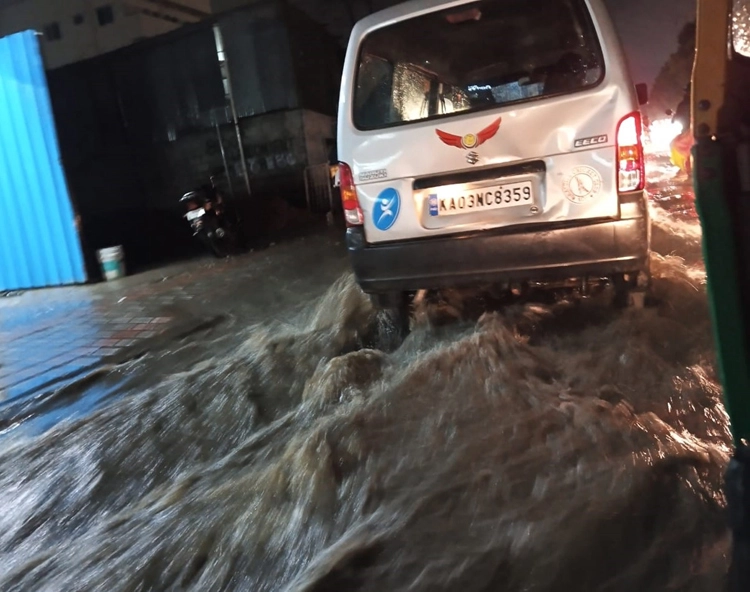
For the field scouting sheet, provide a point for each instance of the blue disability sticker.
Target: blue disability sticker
(433, 203)
(386, 209)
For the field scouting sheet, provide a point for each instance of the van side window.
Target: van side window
(411, 92)
(404, 92)
(373, 103)
(483, 55)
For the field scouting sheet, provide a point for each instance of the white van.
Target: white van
(491, 141)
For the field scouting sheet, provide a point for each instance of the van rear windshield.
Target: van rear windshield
(472, 57)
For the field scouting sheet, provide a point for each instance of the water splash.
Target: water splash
(535, 447)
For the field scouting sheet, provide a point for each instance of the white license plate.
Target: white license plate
(452, 201)
(192, 215)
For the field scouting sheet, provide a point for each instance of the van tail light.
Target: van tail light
(352, 211)
(631, 169)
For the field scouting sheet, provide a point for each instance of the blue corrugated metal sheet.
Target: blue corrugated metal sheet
(39, 244)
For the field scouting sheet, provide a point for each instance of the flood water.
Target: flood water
(524, 446)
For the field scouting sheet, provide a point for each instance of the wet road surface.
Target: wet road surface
(55, 344)
(523, 446)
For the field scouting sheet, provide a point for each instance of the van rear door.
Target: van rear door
(484, 115)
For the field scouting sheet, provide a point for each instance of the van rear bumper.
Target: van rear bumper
(556, 253)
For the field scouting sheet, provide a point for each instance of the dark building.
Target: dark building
(140, 126)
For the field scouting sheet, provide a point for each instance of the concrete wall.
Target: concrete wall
(218, 6)
(201, 5)
(278, 146)
(81, 36)
(319, 130)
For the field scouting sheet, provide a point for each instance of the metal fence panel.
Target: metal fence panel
(171, 87)
(39, 243)
(259, 56)
(319, 188)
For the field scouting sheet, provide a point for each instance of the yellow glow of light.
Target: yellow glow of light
(661, 134)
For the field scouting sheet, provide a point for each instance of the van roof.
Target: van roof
(400, 11)
(407, 9)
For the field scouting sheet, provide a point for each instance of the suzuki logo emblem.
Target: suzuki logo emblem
(470, 141)
(472, 158)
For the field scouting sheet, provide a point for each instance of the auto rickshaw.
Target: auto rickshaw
(720, 117)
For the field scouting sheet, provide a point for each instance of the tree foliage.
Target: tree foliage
(669, 86)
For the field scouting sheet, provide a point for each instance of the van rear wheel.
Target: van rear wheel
(393, 315)
(632, 290)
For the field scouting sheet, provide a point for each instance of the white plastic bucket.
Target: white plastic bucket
(112, 261)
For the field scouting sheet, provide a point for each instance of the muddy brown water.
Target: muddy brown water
(539, 447)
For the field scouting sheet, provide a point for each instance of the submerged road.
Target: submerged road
(529, 446)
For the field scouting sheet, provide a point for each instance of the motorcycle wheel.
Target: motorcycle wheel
(217, 248)
(213, 244)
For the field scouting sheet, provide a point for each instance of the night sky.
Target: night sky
(648, 28)
(649, 31)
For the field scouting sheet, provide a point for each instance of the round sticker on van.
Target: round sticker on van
(386, 209)
(582, 184)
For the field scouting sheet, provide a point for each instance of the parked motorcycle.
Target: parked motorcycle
(207, 215)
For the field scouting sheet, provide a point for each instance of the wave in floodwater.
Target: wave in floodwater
(539, 447)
